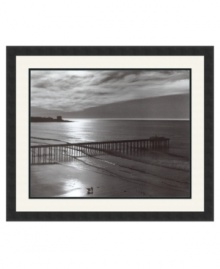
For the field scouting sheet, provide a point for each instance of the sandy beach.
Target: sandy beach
(109, 176)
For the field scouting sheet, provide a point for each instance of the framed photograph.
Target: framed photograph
(110, 133)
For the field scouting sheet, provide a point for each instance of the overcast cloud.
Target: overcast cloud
(78, 90)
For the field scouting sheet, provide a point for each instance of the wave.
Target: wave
(41, 138)
(180, 165)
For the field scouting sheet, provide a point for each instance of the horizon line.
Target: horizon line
(174, 119)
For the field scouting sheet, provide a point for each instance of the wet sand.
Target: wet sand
(111, 176)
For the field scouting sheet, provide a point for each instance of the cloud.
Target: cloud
(72, 90)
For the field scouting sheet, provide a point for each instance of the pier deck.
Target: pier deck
(47, 154)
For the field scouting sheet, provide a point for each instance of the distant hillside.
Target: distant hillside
(48, 119)
(172, 106)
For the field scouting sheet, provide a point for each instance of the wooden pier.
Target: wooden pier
(48, 154)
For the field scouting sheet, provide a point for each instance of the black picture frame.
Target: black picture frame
(206, 51)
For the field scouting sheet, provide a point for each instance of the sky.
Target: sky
(76, 90)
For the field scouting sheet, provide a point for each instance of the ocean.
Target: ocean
(157, 173)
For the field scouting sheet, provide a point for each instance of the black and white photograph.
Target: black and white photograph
(110, 133)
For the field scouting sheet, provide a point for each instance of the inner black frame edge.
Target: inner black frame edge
(103, 69)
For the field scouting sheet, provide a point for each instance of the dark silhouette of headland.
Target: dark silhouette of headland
(48, 119)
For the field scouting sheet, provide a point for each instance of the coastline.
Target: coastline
(48, 119)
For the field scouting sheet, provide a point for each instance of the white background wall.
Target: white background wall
(109, 245)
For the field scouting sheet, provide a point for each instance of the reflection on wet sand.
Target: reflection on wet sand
(142, 174)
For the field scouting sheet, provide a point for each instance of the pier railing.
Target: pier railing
(44, 154)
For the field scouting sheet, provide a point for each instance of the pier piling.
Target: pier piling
(45, 154)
